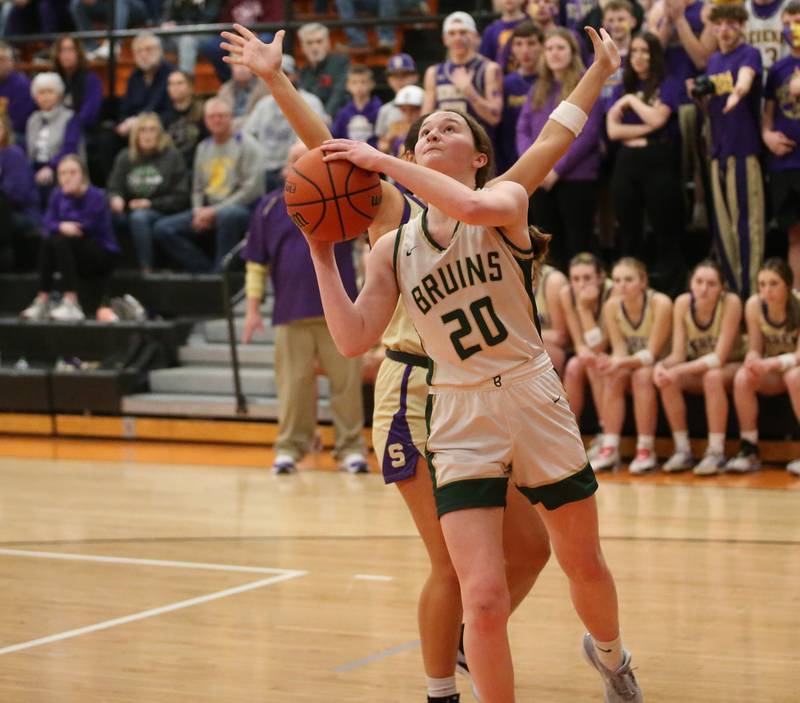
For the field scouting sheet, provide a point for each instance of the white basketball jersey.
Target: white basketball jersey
(765, 34)
(471, 303)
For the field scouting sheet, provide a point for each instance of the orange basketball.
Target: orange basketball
(331, 200)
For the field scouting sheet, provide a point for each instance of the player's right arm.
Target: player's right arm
(264, 59)
(357, 326)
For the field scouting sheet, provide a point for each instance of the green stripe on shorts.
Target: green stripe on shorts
(470, 493)
(576, 487)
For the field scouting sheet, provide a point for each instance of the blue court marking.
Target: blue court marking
(376, 657)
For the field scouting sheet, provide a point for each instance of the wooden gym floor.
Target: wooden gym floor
(151, 572)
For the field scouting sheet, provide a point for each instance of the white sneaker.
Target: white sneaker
(102, 52)
(793, 467)
(621, 685)
(283, 464)
(606, 459)
(679, 461)
(67, 311)
(745, 461)
(644, 461)
(37, 311)
(710, 465)
(354, 463)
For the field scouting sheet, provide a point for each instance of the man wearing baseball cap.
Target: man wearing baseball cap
(466, 81)
(400, 72)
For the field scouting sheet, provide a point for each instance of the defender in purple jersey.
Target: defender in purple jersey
(781, 134)
(736, 181)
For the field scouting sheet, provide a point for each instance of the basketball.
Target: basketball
(331, 201)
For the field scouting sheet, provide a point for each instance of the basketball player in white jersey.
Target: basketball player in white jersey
(497, 409)
(764, 29)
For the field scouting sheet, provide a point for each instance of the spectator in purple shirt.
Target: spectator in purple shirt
(737, 186)
(526, 43)
(302, 338)
(78, 241)
(356, 120)
(564, 205)
(19, 202)
(646, 177)
(497, 34)
(15, 93)
(781, 133)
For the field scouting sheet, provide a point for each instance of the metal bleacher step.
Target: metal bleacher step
(217, 331)
(209, 380)
(200, 405)
(199, 352)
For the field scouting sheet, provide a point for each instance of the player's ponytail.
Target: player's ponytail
(541, 246)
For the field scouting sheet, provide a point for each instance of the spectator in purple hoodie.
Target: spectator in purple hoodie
(356, 120)
(19, 204)
(15, 93)
(564, 205)
(78, 241)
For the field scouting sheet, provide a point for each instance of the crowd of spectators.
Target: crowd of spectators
(699, 129)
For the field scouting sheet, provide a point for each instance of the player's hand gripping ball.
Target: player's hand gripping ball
(331, 201)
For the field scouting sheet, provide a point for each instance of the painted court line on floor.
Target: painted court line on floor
(285, 576)
(349, 666)
(166, 563)
(373, 577)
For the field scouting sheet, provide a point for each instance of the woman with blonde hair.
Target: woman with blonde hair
(637, 320)
(149, 181)
(564, 204)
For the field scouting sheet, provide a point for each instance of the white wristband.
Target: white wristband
(788, 361)
(569, 116)
(644, 356)
(712, 361)
(593, 337)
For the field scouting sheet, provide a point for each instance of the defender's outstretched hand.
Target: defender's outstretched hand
(247, 49)
(606, 54)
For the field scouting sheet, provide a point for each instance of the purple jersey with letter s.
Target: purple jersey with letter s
(786, 116)
(738, 132)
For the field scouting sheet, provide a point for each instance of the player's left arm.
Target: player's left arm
(357, 326)
(554, 139)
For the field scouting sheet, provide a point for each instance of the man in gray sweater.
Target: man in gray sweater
(228, 179)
